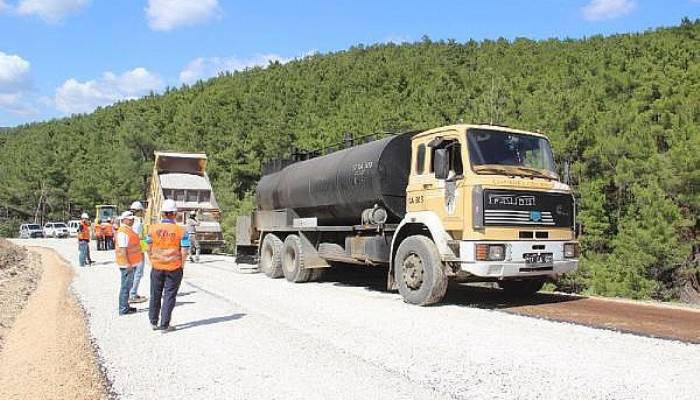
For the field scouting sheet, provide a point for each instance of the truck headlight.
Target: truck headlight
(490, 252)
(571, 250)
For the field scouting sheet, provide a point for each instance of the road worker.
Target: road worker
(99, 236)
(168, 248)
(108, 232)
(84, 241)
(137, 211)
(191, 226)
(128, 256)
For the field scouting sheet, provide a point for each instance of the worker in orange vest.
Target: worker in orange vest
(84, 241)
(108, 231)
(99, 236)
(128, 256)
(168, 245)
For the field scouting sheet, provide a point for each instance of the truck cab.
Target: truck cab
(493, 204)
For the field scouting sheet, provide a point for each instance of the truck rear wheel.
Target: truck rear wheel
(271, 256)
(293, 260)
(522, 288)
(419, 271)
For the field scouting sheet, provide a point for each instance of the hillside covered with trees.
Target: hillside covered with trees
(623, 111)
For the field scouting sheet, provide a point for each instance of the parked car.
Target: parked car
(55, 230)
(73, 226)
(30, 231)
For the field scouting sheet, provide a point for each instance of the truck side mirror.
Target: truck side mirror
(441, 164)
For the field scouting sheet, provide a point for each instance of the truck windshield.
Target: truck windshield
(492, 151)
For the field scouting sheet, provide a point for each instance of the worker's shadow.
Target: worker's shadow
(209, 321)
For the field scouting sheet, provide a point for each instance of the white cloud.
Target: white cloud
(202, 68)
(3, 5)
(15, 82)
(51, 11)
(80, 97)
(165, 15)
(598, 10)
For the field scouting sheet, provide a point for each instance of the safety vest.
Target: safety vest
(98, 230)
(108, 230)
(165, 253)
(84, 233)
(133, 256)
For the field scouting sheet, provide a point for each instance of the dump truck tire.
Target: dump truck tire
(270, 262)
(419, 272)
(293, 260)
(522, 288)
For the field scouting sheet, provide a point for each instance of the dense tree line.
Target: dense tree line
(622, 111)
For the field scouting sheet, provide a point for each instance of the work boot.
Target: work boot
(131, 310)
(137, 299)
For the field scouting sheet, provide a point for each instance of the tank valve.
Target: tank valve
(374, 216)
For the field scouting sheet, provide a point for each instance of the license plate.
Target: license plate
(538, 258)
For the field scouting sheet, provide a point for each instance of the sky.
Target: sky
(62, 57)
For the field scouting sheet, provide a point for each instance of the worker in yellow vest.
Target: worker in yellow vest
(129, 256)
(168, 247)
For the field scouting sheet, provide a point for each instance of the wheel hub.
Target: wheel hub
(413, 272)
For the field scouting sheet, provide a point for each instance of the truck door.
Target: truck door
(445, 196)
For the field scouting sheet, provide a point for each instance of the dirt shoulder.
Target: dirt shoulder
(47, 353)
(20, 272)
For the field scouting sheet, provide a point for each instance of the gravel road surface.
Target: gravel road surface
(245, 336)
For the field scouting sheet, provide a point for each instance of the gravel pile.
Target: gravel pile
(19, 277)
(245, 336)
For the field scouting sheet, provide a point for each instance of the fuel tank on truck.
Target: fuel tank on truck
(337, 187)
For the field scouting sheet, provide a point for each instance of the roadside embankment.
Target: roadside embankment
(20, 272)
(47, 353)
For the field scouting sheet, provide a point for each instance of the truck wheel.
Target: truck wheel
(522, 288)
(419, 271)
(293, 260)
(271, 256)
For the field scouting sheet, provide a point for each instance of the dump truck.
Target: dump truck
(473, 203)
(182, 177)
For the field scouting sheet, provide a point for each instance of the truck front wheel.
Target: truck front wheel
(419, 271)
(271, 256)
(293, 260)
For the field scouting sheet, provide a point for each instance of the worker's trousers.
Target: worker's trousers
(127, 278)
(164, 284)
(83, 252)
(138, 273)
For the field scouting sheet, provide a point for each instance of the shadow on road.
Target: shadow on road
(374, 279)
(209, 321)
(182, 294)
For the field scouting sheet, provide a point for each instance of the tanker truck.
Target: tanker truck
(182, 177)
(473, 203)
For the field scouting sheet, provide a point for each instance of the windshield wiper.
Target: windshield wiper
(534, 171)
(515, 170)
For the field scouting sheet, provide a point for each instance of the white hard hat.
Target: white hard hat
(127, 215)
(136, 206)
(169, 206)
(84, 216)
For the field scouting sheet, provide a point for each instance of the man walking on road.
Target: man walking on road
(192, 234)
(84, 241)
(137, 210)
(168, 253)
(128, 254)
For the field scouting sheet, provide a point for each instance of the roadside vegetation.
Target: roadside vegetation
(623, 113)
